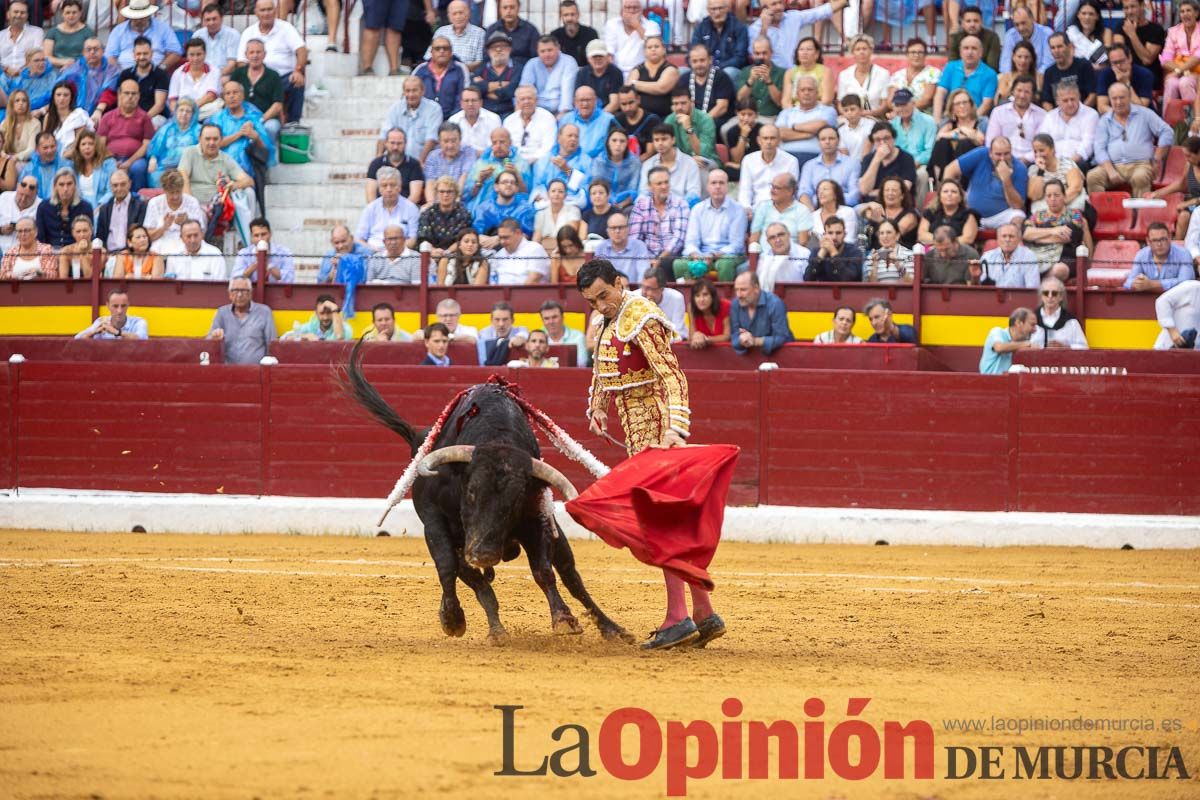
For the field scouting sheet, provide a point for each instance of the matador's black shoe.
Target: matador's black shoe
(713, 627)
(681, 633)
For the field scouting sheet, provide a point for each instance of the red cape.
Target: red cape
(666, 506)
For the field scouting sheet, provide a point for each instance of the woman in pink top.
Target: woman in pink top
(1181, 55)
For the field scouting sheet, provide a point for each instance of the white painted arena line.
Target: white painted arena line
(158, 564)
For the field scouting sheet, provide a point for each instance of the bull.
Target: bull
(479, 496)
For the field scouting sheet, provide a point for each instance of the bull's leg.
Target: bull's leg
(441, 548)
(537, 547)
(482, 587)
(564, 562)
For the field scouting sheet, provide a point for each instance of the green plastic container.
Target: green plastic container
(295, 144)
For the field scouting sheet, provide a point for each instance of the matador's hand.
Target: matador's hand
(669, 440)
(599, 423)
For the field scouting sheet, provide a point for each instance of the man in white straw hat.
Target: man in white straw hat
(139, 21)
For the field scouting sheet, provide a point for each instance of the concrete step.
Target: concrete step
(377, 87)
(313, 218)
(354, 112)
(317, 173)
(346, 150)
(319, 199)
(330, 128)
(307, 245)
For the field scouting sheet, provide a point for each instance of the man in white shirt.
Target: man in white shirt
(626, 36)
(1012, 265)
(1178, 310)
(784, 261)
(475, 121)
(668, 299)
(18, 39)
(518, 260)
(1019, 120)
(1072, 125)
(21, 203)
(190, 258)
(533, 129)
(286, 54)
(759, 168)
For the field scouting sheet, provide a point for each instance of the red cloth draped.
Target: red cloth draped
(666, 506)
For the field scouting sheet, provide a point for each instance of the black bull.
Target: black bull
(479, 496)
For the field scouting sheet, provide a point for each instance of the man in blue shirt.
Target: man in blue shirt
(118, 324)
(716, 232)
(915, 133)
(971, 74)
(345, 254)
(725, 37)
(593, 123)
(784, 29)
(140, 21)
(524, 36)
(1160, 265)
(1125, 142)
(504, 203)
(567, 163)
(830, 165)
(998, 183)
(1122, 69)
(416, 115)
(443, 76)
(1003, 342)
(480, 185)
(553, 75)
(758, 320)
(631, 257)
(1026, 29)
(887, 331)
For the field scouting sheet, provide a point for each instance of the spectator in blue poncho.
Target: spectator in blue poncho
(244, 137)
(93, 76)
(345, 263)
(593, 123)
(45, 164)
(505, 203)
(480, 184)
(619, 167)
(37, 79)
(166, 148)
(567, 163)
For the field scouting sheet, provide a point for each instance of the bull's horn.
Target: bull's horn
(544, 472)
(455, 453)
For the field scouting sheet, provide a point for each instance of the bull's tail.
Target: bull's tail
(356, 385)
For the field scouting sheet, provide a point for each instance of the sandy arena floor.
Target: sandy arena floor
(274, 666)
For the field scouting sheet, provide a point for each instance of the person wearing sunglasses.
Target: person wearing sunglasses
(1019, 120)
(20, 203)
(443, 76)
(1056, 327)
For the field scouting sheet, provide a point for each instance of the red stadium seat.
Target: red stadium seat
(723, 152)
(985, 235)
(677, 59)
(1147, 215)
(1112, 262)
(149, 194)
(991, 244)
(1175, 112)
(1174, 167)
(1113, 221)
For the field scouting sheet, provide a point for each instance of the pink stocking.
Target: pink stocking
(676, 599)
(701, 606)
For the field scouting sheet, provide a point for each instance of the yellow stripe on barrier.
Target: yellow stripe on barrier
(45, 320)
(806, 325)
(944, 329)
(1122, 334)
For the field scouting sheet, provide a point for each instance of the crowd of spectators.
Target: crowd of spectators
(512, 156)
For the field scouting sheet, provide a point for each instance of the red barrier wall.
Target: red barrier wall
(821, 438)
(60, 348)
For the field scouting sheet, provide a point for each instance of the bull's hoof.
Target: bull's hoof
(498, 637)
(567, 624)
(454, 621)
